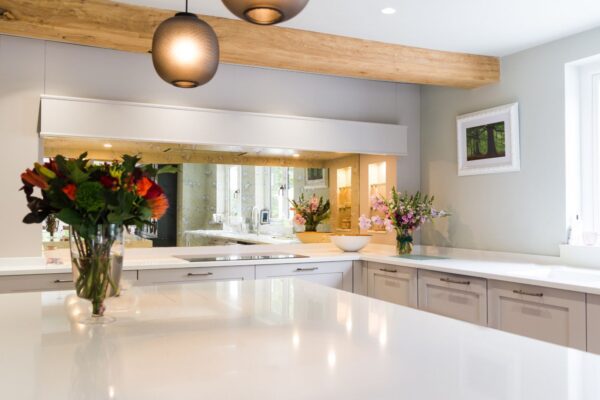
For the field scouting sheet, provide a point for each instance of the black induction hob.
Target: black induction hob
(240, 257)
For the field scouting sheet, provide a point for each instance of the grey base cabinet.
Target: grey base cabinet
(392, 283)
(190, 275)
(593, 323)
(551, 315)
(455, 296)
(46, 282)
(333, 274)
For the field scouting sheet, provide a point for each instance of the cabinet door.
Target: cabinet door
(333, 274)
(392, 283)
(455, 296)
(593, 323)
(552, 315)
(360, 277)
(188, 275)
(46, 282)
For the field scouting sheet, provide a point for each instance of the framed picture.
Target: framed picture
(316, 178)
(265, 217)
(488, 141)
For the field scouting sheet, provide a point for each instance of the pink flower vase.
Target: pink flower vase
(404, 242)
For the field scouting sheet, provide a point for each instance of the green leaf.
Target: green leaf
(69, 217)
(167, 169)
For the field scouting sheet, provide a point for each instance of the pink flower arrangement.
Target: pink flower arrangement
(403, 213)
(310, 213)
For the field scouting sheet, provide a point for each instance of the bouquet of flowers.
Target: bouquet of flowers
(403, 213)
(96, 200)
(310, 213)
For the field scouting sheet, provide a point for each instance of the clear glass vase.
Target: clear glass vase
(97, 262)
(404, 242)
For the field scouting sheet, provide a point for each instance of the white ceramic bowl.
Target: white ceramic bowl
(350, 242)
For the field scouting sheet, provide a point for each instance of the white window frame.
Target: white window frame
(582, 148)
(589, 150)
(287, 214)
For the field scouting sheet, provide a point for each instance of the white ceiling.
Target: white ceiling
(491, 27)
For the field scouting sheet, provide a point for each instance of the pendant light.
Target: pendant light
(265, 12)
(185, 50)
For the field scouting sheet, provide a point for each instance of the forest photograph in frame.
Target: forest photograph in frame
(488, 141)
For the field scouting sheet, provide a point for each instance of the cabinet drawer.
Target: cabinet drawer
(46, 282)
(392, 283)
(455, 296)
(333, 274)
(552, 315)
(185, 275)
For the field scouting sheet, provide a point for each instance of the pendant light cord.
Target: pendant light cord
(186, 6)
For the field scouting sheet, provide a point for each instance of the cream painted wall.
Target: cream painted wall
(518, 212)
(32, 67)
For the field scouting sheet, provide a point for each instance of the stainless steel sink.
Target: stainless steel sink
(240, 257)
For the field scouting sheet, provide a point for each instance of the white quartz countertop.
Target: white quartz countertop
(534, 270)
(271, 339)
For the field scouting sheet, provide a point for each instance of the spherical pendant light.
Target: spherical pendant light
(185, 51)
(265, 12)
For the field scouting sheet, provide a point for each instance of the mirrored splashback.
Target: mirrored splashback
(224, 203)
(225, 195)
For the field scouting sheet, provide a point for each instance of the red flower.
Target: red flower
(52, 166)
(154, 192)
(158, 205)
(70, 190)
(109, 182)
(34, 179)
(143, 185)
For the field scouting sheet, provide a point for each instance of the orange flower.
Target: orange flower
(34, 179)
(158, 206)
(143, 185)
(70, 190)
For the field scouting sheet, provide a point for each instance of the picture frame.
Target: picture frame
(488, 141)
(316, 178)
(265, 217)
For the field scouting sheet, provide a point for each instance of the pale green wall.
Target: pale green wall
(517, 212)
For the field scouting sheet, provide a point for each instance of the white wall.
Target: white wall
(32, 67)
(518, 212)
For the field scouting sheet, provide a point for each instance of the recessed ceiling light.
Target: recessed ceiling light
(388, 11)
(296, 155)
(107, 145)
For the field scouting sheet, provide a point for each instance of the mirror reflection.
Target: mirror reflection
(224, 195)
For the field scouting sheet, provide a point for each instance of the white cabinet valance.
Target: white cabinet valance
(117, 120)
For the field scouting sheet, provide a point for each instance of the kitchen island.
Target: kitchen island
(271, 339)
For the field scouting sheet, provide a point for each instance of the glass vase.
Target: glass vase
(97, 262)
(404, 242)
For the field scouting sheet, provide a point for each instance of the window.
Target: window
(582, 130)
(281, 191)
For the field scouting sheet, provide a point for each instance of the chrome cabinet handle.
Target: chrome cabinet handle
(448, 280)
(63, 281)
(528, 294)
(393, 271)
(190, 274)
(306, 269)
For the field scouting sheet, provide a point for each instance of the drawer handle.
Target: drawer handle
(306, 269)
(528, 294)
(393, 271)
(190, 274)
(448, 280)
(63, 281)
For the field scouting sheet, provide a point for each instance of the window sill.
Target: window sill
(580, 255)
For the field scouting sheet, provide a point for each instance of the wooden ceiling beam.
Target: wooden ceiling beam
(119, 26)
